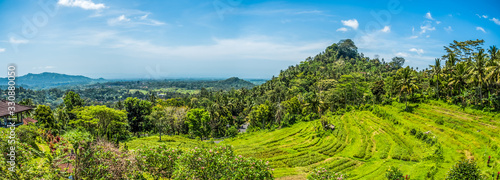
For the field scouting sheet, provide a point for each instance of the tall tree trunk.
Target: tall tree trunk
(437, 87)
(406, 99)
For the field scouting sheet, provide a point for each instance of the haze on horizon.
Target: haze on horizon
(116, 39)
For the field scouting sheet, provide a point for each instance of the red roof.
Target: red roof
(29, 120)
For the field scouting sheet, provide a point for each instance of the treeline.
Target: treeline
(110, 93)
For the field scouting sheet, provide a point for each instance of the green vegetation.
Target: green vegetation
(364, 145)
(339, 113)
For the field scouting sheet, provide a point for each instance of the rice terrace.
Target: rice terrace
(249, 90)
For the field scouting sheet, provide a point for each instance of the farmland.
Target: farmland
(364, 144)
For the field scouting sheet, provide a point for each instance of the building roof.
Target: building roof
(4, 111)
(29, 120)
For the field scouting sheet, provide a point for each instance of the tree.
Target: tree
(397, 62)
(458, 77)
(436, 71)
(45, 117)
(477, 72)
(464, 169)
(407, 83)
(137, 111)
(260, 116)
(72, 100)
(378, 90)
(198, 122)
(102, 121)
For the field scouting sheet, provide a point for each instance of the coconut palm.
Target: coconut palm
(436, 71)
(407, 83)
(477, 71)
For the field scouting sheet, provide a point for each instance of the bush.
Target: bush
(464, 169)
(232, 131)
(440, 121)
(204, 163)
(322, 173)
(393, 173)
(102, 160)
(159, 162)
(219, 163)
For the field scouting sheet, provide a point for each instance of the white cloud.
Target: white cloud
(448, 29)
(418, 51)
(123, 18)
(2, 50)
(429, 16)
(484, 16)
(44, 67)
(427, 27)
(353, 23)
(480, 29)
(495, 20)
(386, 29)
(402, 54)
(84, 4)
(144, 17)
(438, 22)
(12, 40)
(342, 29)
(138, 20)
(245, 48)
(413, 37)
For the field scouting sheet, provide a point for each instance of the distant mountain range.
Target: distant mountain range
(49, 80)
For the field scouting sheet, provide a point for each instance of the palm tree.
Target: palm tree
(494, 52)
(458, 77)
(494, 71)
(477, 71)
(436, 69)
(407, 83)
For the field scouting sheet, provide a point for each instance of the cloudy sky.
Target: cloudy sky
(225, 38)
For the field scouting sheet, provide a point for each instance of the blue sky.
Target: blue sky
(225, 38)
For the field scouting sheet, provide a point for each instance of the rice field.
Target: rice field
(424, 143)
(365, 144)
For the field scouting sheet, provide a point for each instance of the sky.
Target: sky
(117, 39)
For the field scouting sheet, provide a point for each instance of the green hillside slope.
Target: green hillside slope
(366, 143)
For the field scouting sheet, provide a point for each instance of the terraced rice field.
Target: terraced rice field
(365, 144)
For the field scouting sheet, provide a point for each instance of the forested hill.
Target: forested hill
(340, 79)
(49, 80)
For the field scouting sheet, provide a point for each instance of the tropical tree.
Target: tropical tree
(458, 77)
(45, 117)
(407, 83)
(102, 121)
(436, 71)
(137, 111)
(477, 72)
(198, 122)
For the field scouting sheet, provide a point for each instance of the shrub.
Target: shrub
(219, 163)
(159, 162)
(393, 173)
(413, 131)
(322, 173)
(464, 169)
(102, 160)
(232, 131)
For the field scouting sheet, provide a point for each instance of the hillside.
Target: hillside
(49, 80)
(366, 143)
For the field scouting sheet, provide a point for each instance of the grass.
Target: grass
(366, 143)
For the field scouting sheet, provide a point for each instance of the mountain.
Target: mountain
(49, 80)
(236, 82)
